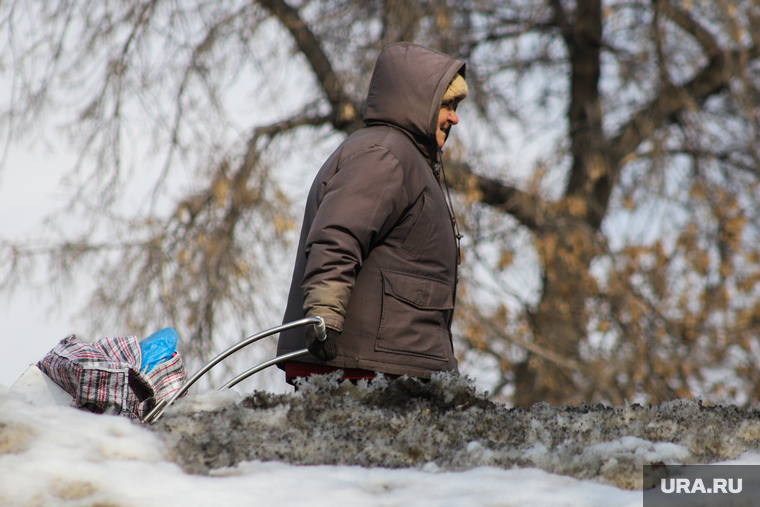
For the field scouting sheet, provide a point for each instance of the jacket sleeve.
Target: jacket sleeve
(359, 205)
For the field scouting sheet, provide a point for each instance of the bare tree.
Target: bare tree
(659, 115)
(606, 167)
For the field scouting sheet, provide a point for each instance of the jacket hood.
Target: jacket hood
(407, 87)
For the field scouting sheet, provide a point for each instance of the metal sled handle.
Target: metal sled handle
(264, 365)
(317, 322)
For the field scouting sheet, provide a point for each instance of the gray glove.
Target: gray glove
(326, 350)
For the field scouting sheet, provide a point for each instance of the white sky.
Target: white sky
(31, 323)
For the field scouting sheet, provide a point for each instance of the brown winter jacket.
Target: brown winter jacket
(377, 257)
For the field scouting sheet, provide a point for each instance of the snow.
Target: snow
(55, 455)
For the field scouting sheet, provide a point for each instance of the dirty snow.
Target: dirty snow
(385, 443)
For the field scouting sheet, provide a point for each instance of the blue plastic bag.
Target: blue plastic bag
(157, 348)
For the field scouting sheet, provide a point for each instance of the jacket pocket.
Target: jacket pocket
(415, 314)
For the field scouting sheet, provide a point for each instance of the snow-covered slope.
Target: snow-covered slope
(447, 425)
(436, 444)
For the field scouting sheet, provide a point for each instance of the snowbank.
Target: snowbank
(445, 425)
(436, 444)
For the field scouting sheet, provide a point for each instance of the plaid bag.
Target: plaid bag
(105, 376)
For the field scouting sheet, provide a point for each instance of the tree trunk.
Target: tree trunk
(560, 321)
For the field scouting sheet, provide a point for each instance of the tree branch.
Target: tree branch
(525, 208)
(672, 100)
(346, 115)
(290, 124)
(690, 26)
(535, 348)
